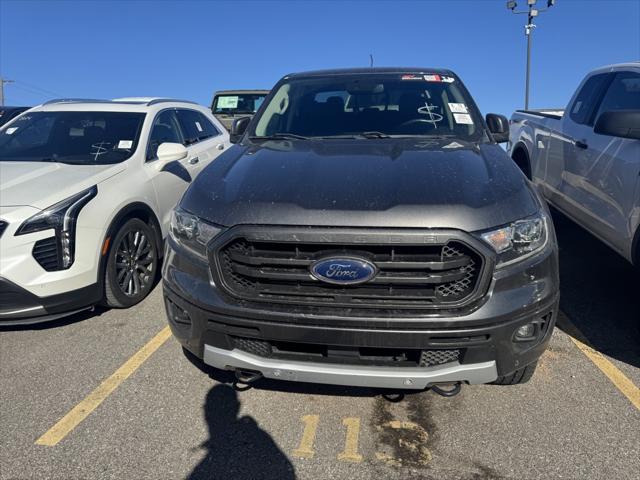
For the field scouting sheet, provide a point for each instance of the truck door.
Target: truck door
(566, 167)
(604, 170)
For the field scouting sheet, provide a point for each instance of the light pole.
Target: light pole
(531, 13)
(2, 82)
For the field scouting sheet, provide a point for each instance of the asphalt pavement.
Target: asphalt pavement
(108, 394)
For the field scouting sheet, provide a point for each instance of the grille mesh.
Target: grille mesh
(409, 276)
(46, 254)
(429, 358)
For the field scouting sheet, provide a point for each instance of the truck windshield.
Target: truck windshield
(83, 138)
(237, 103)
(374, 105)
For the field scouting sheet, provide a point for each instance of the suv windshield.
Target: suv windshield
(371, 104)
(84, 138)
(238, 103)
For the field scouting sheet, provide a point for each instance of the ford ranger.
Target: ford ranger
(366, 230)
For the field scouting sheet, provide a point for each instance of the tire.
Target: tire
(132, 265)
(522, 375)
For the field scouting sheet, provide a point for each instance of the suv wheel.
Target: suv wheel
(131, 265)
(522, 375)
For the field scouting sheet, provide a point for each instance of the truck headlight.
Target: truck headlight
(61, 217)
(192, 232)
(519, 240)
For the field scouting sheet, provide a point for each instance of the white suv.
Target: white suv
(86, 193)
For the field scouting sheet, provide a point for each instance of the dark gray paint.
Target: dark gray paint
(362, 183)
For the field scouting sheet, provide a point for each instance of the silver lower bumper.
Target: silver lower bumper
(351, 375)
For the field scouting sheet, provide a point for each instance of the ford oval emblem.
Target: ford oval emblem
(343, 270)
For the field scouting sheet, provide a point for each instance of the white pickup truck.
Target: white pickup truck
(586, 159)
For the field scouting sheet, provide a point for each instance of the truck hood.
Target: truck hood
(363, 183)
(41, 184)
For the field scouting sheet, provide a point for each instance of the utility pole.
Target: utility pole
(528, 31)
(2, 82)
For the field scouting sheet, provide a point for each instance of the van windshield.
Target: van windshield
(83, 138)
(372, 104)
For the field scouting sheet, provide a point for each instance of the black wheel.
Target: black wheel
(522, 375)
(131, 265)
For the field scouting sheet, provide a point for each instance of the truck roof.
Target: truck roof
(618, 66)
(240, 92)
(349, 71)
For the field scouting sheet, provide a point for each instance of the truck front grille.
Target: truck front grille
(409, 276)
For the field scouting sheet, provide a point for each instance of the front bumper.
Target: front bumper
(18, 306)
(207, 323)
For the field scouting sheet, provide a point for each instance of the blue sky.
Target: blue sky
(189, 49)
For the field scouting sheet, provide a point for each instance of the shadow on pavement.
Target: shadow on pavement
(237, 447)
(599, 293)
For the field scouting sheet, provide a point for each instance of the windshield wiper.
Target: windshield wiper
(279, 136)
(373, 134)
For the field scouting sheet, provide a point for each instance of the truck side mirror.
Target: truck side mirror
(619, 123)
(238, 127)
(498, 126)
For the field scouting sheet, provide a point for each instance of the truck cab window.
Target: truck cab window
(587, 98)
(623, 93)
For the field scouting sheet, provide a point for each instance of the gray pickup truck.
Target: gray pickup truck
(366, 229)
(586, 159)
(227, 105)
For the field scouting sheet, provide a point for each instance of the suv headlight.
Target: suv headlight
(192, 232)
(61, 217)
(519, 240)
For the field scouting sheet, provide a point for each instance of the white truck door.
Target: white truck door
(609, 167)
(569, 151)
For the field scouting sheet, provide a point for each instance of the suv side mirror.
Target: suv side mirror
(498, 126)
(619, 123)
(238, 127)
(170, 152)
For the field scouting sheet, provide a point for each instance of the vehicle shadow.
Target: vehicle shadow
(598, 293)
(237, 447)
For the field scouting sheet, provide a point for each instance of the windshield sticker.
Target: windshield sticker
(125, 144)
(9, 131)
(411, 77)
(439, 78)
(463, 118)
(228, 102)
(458, 108)
(198, 126)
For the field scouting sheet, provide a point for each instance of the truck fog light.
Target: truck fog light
(526, 331)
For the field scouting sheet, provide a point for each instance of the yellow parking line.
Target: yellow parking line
(78, 413)
(619, 379)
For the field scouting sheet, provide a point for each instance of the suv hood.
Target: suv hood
(363, 183)
(40, 184)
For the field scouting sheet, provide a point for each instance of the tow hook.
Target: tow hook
(244, 379)
(456, 387)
